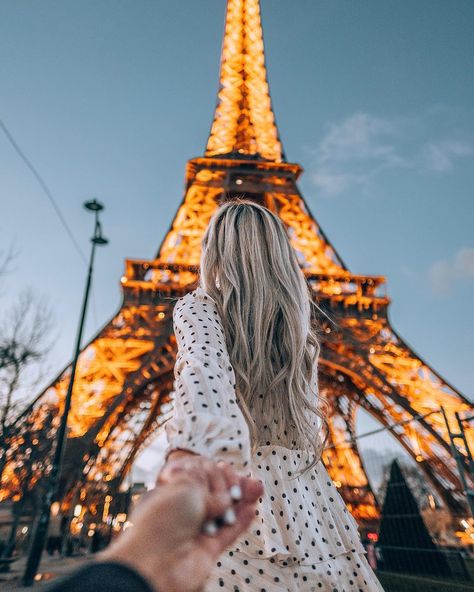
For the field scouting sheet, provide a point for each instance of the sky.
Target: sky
(375, 99)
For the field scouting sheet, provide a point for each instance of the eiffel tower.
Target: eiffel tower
(125, 374)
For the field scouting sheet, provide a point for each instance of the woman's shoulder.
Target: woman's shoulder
(196, 320)
(199, 294)
(197, 308)
(197, 298)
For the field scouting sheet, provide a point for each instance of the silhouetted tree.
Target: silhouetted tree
(25, 442)
(27, 470)
(404, 541)
(25, 340)
(417, 481)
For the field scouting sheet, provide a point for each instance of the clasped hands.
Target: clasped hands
(198, 508)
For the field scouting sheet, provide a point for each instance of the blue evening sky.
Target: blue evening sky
(374, 98)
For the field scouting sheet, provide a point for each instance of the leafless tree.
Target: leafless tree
(6, 258)
(25, 341)
(26, 338)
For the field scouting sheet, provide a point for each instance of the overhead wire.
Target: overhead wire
(46, 190)
(389, 428)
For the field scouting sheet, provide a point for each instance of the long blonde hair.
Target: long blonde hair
(249, 268)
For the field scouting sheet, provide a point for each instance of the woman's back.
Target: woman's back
(303, 533)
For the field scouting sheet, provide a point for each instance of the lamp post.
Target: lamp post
(40, 533)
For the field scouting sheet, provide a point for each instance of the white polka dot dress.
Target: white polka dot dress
(303, 537)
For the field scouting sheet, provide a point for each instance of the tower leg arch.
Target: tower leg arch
(409, 428)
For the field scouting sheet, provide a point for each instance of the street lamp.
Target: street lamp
(39, 535)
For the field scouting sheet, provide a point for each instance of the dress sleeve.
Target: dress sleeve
(207, 419)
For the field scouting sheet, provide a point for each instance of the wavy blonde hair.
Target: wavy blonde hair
(249, 268)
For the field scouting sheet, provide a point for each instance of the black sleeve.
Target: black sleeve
(102, 577)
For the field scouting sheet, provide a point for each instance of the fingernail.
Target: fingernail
(229, 516)
(210, 528)
(235, 492)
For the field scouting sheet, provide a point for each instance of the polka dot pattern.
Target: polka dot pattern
(349, 572)
(299, 520)
(303, 537)
(206, 419)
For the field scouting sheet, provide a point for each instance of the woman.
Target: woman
(246, 393)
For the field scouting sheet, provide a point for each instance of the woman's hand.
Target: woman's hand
(223, 484)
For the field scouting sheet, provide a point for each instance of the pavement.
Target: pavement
(50, 568)
(54, 567)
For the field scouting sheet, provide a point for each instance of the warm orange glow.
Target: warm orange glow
(425, 391)
(101, 373)
(105, 513)
(244, 122)
(344, 465)
(208, 184)
(125, 375)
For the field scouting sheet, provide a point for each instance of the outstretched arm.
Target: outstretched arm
(165, 550)
(207, 420)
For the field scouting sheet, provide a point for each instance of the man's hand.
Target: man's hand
(166, 543)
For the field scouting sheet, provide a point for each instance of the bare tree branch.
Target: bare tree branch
(25, 340)
(6, 258)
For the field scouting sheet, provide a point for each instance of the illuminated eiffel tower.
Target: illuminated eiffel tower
(125, 374)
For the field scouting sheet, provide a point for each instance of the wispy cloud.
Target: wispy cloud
(440, 157)
(356, 150)
(446, 272)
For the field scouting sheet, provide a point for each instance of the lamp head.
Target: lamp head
(100, 240)
(93, 205)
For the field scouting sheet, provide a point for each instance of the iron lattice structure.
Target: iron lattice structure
(125, 374)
